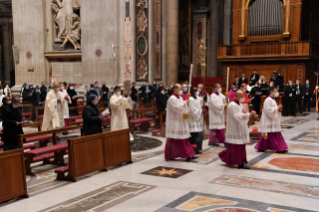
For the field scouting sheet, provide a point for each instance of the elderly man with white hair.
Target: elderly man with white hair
(177, 127)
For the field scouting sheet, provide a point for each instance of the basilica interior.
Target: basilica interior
(120, 42)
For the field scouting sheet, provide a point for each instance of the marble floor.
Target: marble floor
(276, 182)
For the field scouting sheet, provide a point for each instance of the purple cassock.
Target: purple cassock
(176, 148)
(217, 137)
(274, 142)
(234, 154)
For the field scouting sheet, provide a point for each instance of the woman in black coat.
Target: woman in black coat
(92, 120)
(161, 101)
(12, 128)
(74, 97)
(26, 98)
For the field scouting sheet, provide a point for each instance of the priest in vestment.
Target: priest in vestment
(185, 92)
(53, 111)
(119, 104)
(196, 122)
(217, 104)
(177, 129)
(237, 133)
(67, 100)
(271, 137)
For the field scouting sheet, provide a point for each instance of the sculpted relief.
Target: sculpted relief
(67, 22)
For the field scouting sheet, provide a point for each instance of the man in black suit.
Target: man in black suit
(280, 82)
(290, 99)
(147, 92)
(307, 96)
(134, 95)
(299, 93)
(256, 94)
(243, 79)
(43, 91)
(236, 83)
(254, 78)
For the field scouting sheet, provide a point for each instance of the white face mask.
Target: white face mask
(276, 94)
(72, 88)
(56, 90)
(242, 99)
(219, 90)
(1, 91)
(163, 92)
(118, 93)
(199, 89)
(180, 92)
(62, 88)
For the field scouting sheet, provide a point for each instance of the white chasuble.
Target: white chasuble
(271, 117)
(216, 112)
(119, 105)
(195, 115)
(51, 115)
(68, 101)
(176, 126)
(237, 125)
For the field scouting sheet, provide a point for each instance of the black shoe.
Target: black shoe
(225, 145)
(189, 159)
(261, 150)
(283, 152)
(65, 133)
(243, 166)
(197, 152)
(215, 144)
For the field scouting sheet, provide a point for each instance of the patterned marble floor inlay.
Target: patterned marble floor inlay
(286, 127)
(208, 156)
(296, 164)
(307, 136)
(202, 202)
(295, 121)
(274, 186)
(305, 147)
(103, 198)
(169, 172)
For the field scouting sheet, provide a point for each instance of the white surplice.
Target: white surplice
(271, 117)
(216, 112)
(68, 101)
(119, 105)
(176, 126)
(53, 118)
(195, 115)
(237, 125)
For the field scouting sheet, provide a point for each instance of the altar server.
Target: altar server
(196, 122)
(119, 104)
(54, 107)
(177, 130)
(217, 104)
(237, 134)
(271, 137)
(67, 101)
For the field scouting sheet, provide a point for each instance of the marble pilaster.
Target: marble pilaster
(5, 26)
(227, 37)
(171, 41)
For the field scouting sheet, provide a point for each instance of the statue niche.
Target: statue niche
(67, 22)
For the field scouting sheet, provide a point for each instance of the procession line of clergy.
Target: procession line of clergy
(185, 135)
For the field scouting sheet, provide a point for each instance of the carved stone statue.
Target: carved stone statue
(67, 22)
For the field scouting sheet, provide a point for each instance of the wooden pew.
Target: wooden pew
(26, 115)
(37, 116)
(160, 132)
(140, 119)
(93, 153)
(12, 177)
(45, 153)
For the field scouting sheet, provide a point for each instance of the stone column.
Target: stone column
(227, 37)
(213, 38)
(151, 41)
(5, 26)
(171, 41)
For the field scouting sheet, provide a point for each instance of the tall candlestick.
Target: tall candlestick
(227, 84)
(190, 78)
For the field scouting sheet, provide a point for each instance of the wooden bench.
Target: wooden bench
(160, 132)
(37, 116)
(93, 153)
(12, 177)
(139, 119)
(26, 115)
(45, 153)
